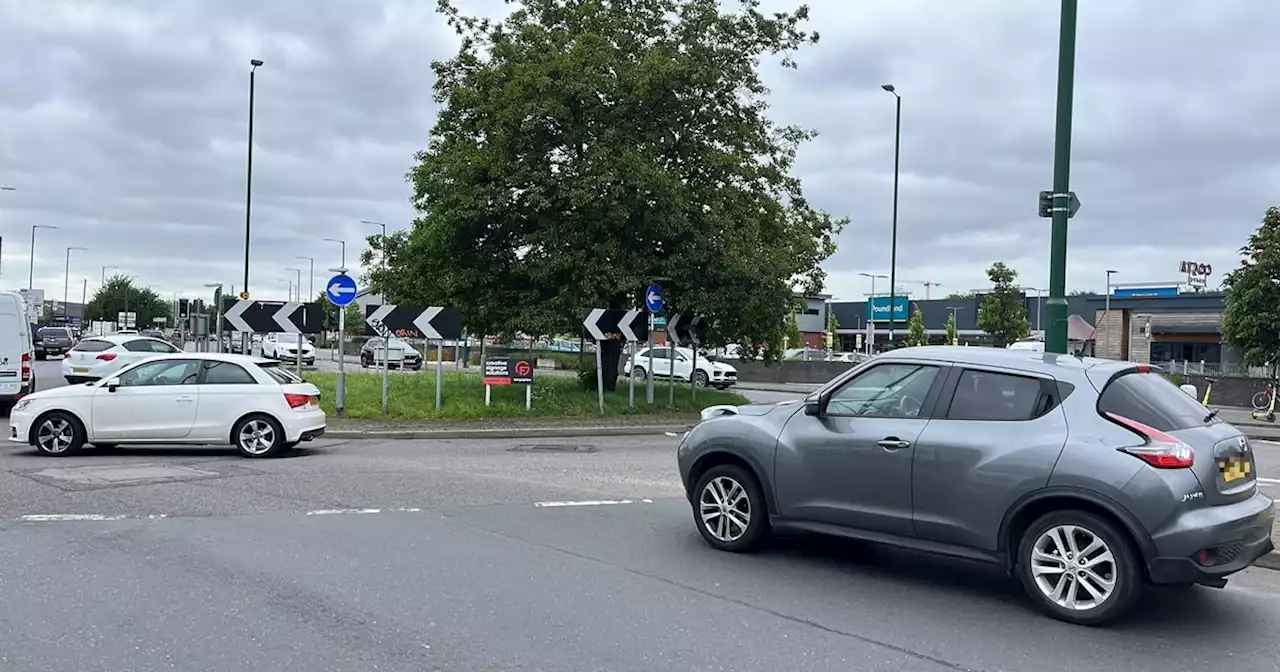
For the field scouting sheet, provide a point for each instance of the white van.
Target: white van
(1032, 345)
(17, 378)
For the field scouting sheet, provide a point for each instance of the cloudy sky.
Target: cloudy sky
(123, 124)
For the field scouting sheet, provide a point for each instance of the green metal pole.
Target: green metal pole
(1056, 308)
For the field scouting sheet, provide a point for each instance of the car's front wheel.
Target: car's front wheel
(1079, 567)
(58, 434)
(258, 436)
(700, 379)
(729, 509)
(638, 372)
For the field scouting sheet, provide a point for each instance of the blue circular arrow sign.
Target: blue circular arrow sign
(653, 298)
(341, 290)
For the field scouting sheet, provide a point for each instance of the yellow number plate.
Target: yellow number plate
(1234, 468)
(80, 369)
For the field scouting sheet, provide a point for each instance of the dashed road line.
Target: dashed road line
(333, 512)
(591, 502)
(84, 517)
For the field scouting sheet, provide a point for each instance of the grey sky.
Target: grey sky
(123, 123)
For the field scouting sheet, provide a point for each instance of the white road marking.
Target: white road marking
(1269, 481)
(95, 517)
(332, 512)
(591, 502)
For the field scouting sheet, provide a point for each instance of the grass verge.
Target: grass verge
(414, 397)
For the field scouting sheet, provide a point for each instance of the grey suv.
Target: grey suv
(1084, 478)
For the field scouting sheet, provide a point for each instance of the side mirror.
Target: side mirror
(1190, 390)
(113, 384)
(813, 406)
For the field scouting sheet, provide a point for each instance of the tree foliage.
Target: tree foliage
(119, 294)
(952, 332)
(1251, 321)
(916, 333)
(1003, 314)
(586, 148)
(960, 295)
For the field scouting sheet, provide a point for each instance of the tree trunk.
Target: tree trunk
(610, 353)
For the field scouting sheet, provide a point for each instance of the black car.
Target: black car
(53, 341)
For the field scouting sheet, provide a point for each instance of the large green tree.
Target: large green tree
(584, 149)
(1003, 314)
(119, 294)
(1251, 321)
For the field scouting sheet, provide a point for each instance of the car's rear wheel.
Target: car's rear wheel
(1079, 567)
(638, 373)
(58, 434)
(729, 509)
(258, 436)
(699, 378)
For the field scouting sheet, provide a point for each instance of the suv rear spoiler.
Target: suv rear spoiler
(1101, 374)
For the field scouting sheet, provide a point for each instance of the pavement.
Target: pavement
(564, 555)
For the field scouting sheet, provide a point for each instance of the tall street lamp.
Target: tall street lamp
(104, 272)
(66, 281)
(1039, 299)
(31, 273)
(298, 284)
(248, 178)
(1106, 315)
(217, 310)
(343, 243)
(953, 310)
(893, 251)
(871, 314)
(311, 282)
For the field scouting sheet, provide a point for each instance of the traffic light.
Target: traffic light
(1046, 204)
(182, 308)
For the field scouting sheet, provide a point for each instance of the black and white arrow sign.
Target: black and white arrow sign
(682, 328)
(603, 324)
(438, 323)
(634, 325)
(274, 317)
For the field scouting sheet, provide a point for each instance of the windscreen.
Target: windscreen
(92, 345)
(54, 332)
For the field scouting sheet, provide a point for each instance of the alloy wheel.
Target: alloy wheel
(725, 509)
(1073, 567)
(257, 437)
(55, 435)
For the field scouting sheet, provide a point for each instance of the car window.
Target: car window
(138, 345)
(162, 347)
(54, 332)
(164, 372)
(888, 390)
(659, 353)
(985, 395)
(1152, 400)
(280, 375)
(226, 373)
(92, 345)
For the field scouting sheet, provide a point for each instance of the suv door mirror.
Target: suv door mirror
(113, 384)
(813, 406)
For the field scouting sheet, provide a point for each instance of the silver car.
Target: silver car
(1086, 479)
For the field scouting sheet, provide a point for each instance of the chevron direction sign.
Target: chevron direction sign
(683, 328)
(274, 317)
(603, 324)
(437, 323)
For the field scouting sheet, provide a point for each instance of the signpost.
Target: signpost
(127, 320)
(341, 291)
(681, 329)
(438, 323)
(509, 371)
(602, 325)
(634, 326)
(275, 317)
(654, 300)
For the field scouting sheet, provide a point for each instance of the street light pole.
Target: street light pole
(893, 250)
(31, 272)
(871, 312)
(66, 280)
(297, 285)
(953, 310)
(217, 311)
(248, 178)
(1039, 299)
(386, 342)
(343, 243)
(1056, 336)
(1106, 316)
(311, 283)
(104, 273)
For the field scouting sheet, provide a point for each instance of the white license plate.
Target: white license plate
(80, 369)
(10, 388)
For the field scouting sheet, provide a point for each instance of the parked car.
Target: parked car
(677, 363)
(185, 398)
(98, 357)
(285, 348)
(398, 354)
(1085, 478)
(53, 341)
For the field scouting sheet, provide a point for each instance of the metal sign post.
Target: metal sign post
(433, 323)
(654, 301)
(440, 371)
(341, 291)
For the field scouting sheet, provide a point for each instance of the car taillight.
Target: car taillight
(107, 356)
(1161, 450)
(26, 367)
(297, 400)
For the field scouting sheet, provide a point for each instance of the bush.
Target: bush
(587, 374)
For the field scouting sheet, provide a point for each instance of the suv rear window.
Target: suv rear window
(92, 345)
(1151, 399)
(56, 332)
(278, 374)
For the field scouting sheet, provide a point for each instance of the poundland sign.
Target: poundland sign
(878, 309)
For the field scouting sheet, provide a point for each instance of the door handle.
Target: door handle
(185, 399)
(892, 444)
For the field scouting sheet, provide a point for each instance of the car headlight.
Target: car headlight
(22, 403)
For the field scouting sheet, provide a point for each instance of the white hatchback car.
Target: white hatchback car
(98, 357)
(188, 398)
